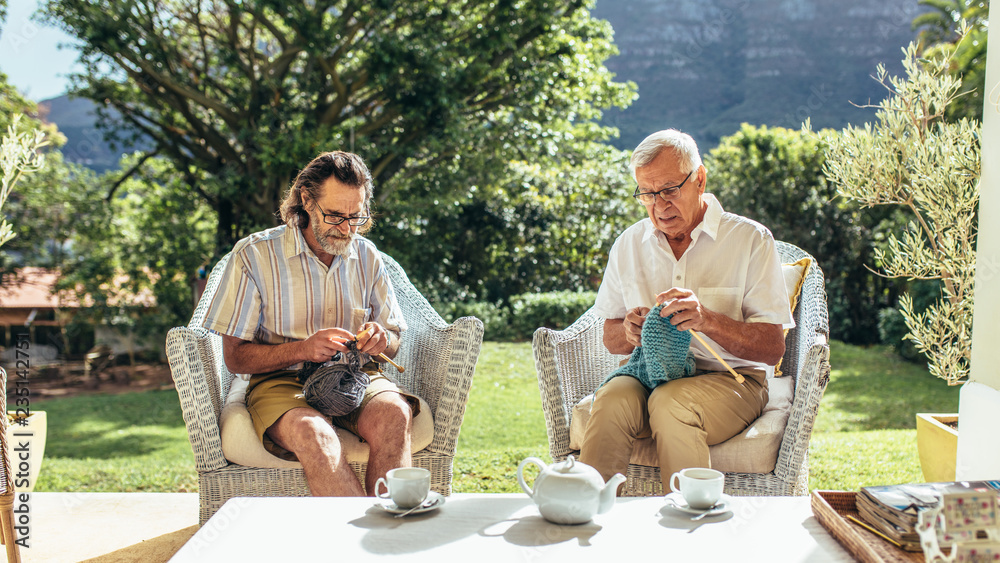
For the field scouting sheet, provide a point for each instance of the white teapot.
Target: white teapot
(570, 492)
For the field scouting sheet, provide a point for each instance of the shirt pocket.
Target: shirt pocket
(724, 300)
(359, 316)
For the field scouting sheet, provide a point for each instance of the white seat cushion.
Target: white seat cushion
(755, 450)
(241, 445)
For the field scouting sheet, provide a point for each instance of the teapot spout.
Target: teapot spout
(610, 492)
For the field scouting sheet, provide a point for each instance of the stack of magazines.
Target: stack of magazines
(893, 509)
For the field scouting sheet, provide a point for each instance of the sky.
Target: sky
(30, 55)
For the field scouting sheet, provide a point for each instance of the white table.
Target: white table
(507, 527)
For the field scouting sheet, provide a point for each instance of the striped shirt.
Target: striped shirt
(275, 290)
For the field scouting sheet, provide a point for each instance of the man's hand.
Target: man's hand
(688, 313)
(373, 339)
(757, 342)
(324, 344)
(632, 323)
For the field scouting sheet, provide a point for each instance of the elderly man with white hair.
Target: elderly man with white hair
(714, 272)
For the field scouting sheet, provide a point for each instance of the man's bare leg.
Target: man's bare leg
(307, 434)
(386, 424)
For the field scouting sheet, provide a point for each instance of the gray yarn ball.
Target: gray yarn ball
(335, 389)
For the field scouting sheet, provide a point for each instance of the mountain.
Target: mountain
(705, 66)
(85, 144)
(701, 66)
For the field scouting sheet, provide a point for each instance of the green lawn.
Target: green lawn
(864, 431)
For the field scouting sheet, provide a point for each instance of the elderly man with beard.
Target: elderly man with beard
(298, 293)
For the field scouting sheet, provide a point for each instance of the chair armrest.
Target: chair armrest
(557, 418)
(440, 361)
(812, 379)
(198, 397)
(578, 350)
(452, 392)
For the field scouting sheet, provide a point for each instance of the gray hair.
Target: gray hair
(681, 143)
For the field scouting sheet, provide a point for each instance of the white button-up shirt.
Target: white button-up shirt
(731, 265)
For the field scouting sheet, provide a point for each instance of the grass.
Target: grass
(864, 431)
(128, 442)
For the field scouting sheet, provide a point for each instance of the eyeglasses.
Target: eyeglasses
(667, 194)
(336, 219)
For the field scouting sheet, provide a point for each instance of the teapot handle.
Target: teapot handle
(520, 473)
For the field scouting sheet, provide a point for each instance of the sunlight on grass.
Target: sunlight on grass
(874, 389)
(494, 471)
(505, 407)
(851, 460)
(864, 432)
(108, 443)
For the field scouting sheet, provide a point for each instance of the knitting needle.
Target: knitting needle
(398, 367)
(739, 378)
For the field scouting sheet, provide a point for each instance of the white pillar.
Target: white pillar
(979, 402)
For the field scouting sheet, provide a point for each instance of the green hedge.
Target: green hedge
(525, 313)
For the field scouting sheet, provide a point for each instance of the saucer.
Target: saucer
(437, 499)
(677, 502)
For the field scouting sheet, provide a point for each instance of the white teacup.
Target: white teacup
(701, 487)
(406, 486)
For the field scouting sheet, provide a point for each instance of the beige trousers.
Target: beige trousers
(684, 416)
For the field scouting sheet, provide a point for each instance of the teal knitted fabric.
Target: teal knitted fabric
(664, 354)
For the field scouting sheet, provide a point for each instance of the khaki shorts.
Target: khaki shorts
(270, 395)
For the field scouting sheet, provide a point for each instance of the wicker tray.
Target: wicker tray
(832, 509)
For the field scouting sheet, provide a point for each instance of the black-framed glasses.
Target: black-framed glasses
(336, 219)
(666, 194)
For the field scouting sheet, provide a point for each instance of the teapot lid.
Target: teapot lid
(570, 466)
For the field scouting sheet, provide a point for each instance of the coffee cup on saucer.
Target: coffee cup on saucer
(406, 486)
(701, 487)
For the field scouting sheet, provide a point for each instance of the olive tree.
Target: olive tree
(912, 158)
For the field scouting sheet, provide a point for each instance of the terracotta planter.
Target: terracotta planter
(26, 446)
(937, 445)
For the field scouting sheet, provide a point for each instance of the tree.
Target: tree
(239, 95)
(775, 176)
(912, 159)
(543, 227)
(13, 103)
(143, 245)
(941, 35)
(19, 155)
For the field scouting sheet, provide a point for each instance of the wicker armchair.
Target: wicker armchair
(571, 363)
(439, 359)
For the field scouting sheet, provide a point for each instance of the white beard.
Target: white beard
(332, 242)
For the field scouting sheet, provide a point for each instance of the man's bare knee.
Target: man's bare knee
(388, 415)
(305, 433)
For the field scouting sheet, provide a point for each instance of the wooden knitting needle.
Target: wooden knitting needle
(739, 378)
(398, 367)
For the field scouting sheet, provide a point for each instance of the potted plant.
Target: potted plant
(913, 158)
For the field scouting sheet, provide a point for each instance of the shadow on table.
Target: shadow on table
(535, 531)
(461, 518)
(677, 520)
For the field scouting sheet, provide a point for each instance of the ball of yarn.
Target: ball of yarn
(335, 389)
